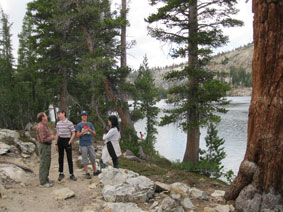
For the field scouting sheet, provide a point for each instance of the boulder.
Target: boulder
(198, 194)
(112, 176)
(122, 207)
(122, 185)
(26, 147)
(161, 187)
(183, 187)
(222, 208)
(218, 193)
(4, 133)
(63, 193)
(208, 209)
(128, 192)
(12, 172)
(187, 203)
(168, 205)
(4, 148)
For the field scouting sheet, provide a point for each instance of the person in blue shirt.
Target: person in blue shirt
(84, 131)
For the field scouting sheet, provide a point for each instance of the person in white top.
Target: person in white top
(111, 149)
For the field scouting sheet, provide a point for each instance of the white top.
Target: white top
(65, 128)
(112, 135)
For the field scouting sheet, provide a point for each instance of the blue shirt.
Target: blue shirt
(85, 139)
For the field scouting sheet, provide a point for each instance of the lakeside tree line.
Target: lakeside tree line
(72, 55)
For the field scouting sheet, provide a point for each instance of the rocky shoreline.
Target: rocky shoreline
(240, 92)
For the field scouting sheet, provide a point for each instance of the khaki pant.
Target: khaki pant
(45, 160)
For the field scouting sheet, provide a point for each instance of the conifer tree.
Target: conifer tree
(31, 95)
(100, 28)
(55, 58)
(148, 97)
(7, 73)
(194, 28)
(214, 153)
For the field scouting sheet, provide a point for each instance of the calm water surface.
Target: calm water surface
(171, 141)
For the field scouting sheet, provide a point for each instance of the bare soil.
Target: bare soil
(29, 196)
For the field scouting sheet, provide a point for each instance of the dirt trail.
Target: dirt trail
(29, 196)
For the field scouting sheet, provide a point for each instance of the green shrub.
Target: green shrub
(129, 141)
(210, 159)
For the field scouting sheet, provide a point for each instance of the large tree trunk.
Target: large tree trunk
(63, 91)
(123, 35)
(124, 114)
(193, 134)
(192, 148)
(259, 184)
(95, 106)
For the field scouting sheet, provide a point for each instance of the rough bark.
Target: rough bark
(96, 106)
(264, 185)
(192, 149)
(193, 134)
(124, 115)
(123, 35)
(64, 91)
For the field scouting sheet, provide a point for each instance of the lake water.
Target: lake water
(171, 141)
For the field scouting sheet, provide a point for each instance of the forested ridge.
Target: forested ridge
(236, 63)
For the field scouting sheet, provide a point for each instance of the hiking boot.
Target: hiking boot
(72, 177)
(46, 185)
(50, 181)
(96, 172)
(61, 176)
(87, 176)
(115, 163)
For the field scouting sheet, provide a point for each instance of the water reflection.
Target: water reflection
(171, 141)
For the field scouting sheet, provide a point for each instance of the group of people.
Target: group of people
(65, 135)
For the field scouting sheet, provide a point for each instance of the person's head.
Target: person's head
(84, 116)
(61, 114)
(42, 117)
(113, 121)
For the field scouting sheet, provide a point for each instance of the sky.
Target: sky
(156, 51)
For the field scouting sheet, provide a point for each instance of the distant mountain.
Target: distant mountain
(238, 58)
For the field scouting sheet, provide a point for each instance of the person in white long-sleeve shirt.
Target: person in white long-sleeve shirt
(111, 149)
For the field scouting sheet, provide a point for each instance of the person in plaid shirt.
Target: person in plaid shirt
(44, 138)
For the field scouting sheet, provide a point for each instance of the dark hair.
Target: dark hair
(62, 111)
(114, 121)
(40, 116)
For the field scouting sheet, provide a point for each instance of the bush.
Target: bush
(129, 141)
(210, 159)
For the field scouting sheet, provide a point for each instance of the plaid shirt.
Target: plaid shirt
(43, 133)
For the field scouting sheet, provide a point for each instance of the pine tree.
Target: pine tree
(56, 59)
(100, 29)
(148, 97)
(7, 110)
(194, 27)
(214, 153)
(31, 94)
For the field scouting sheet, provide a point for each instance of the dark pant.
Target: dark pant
(113, 155)
(63, 145)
